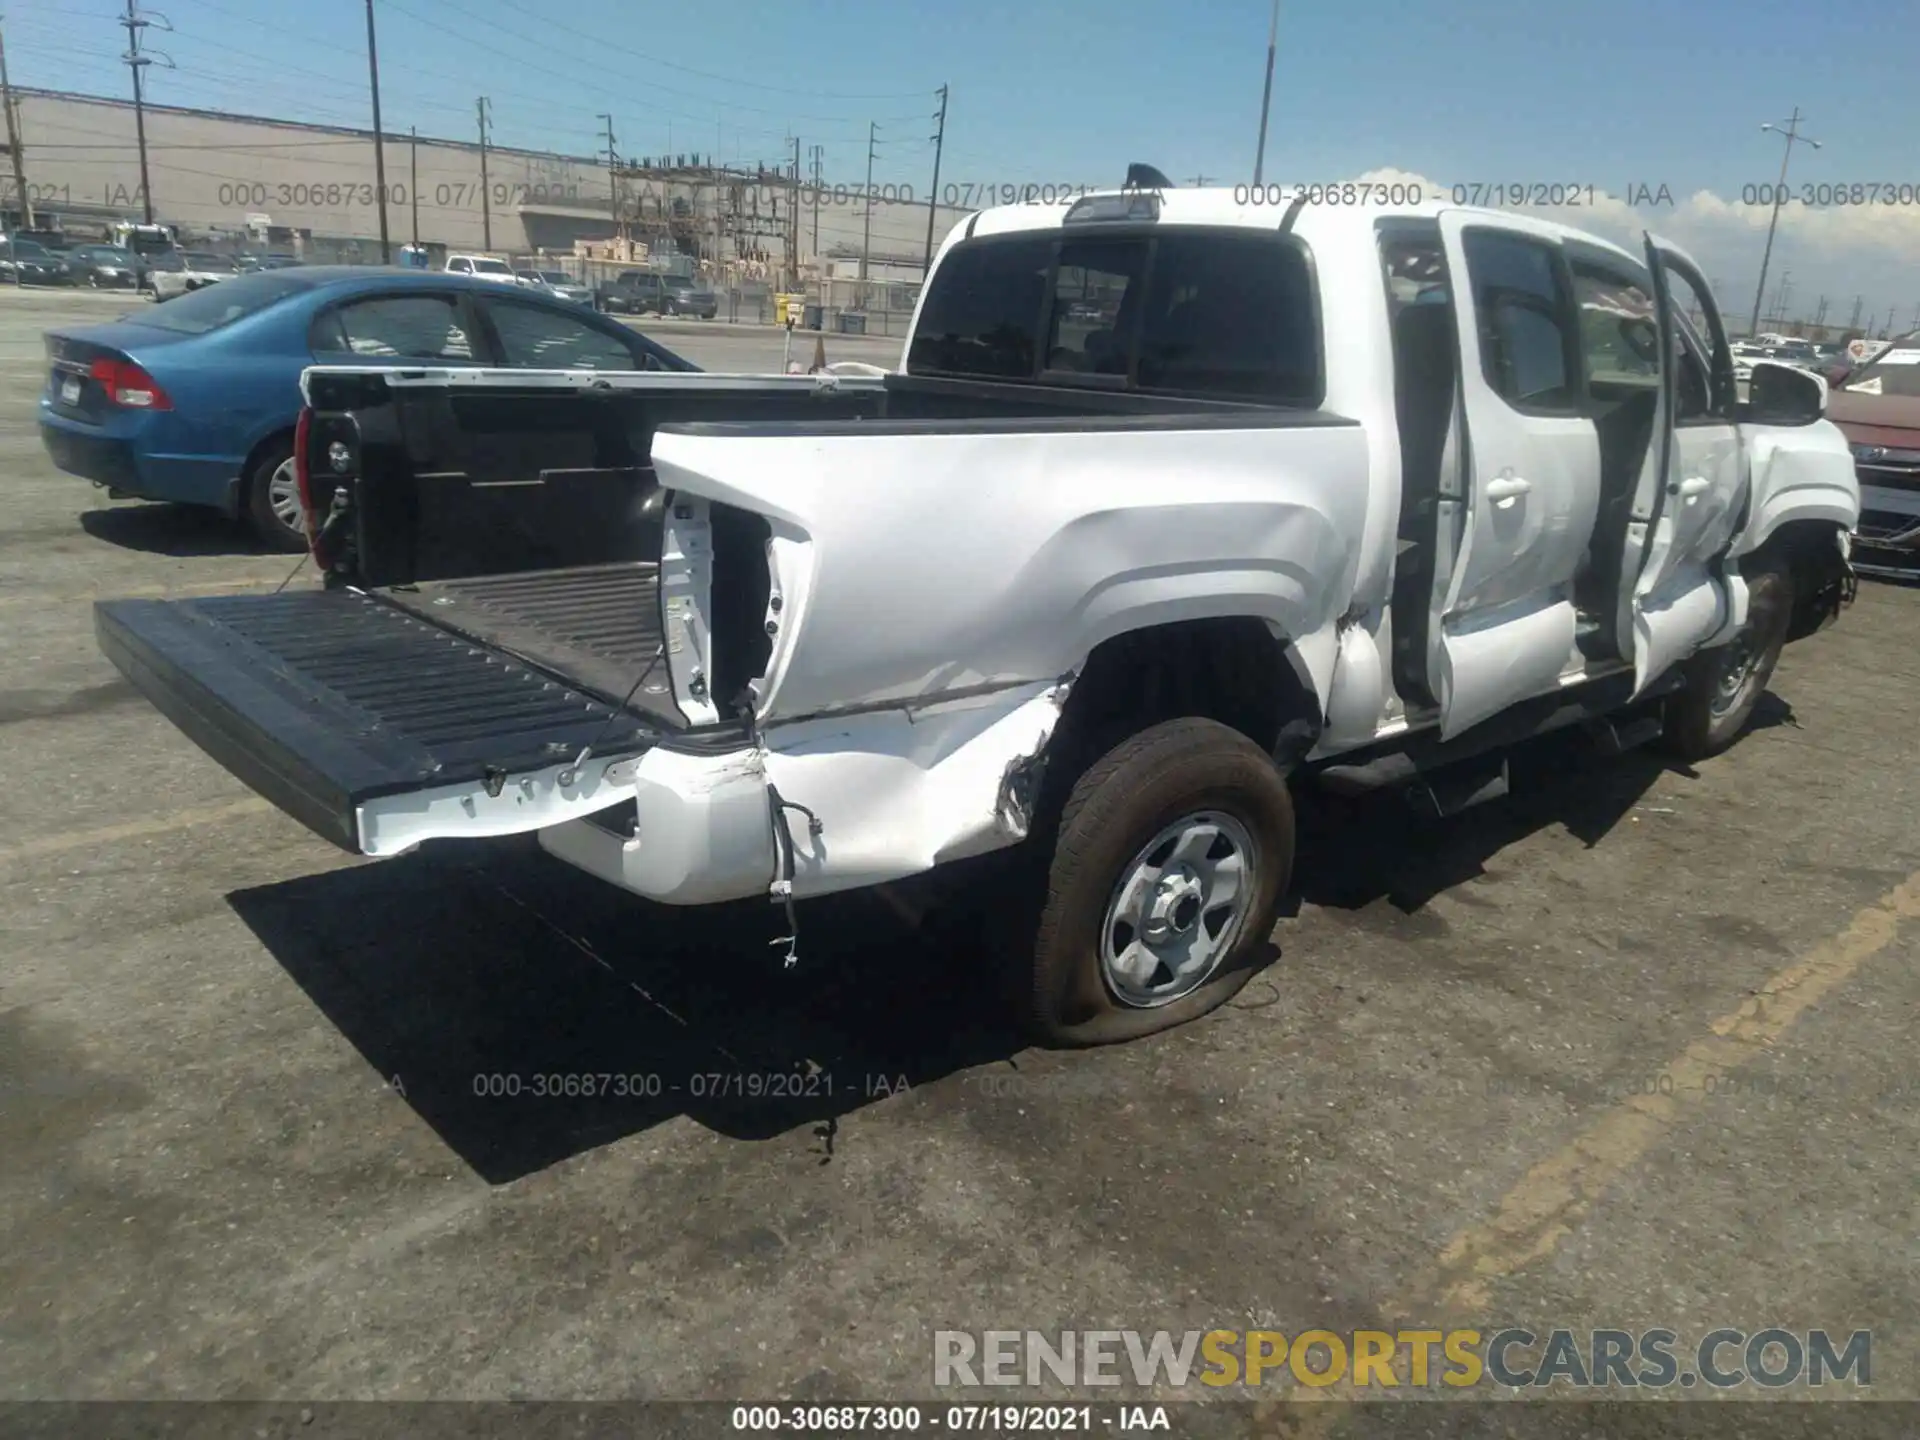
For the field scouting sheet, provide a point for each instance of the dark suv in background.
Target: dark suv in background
(644, 292)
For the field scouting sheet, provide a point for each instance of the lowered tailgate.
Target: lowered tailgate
(373, 727)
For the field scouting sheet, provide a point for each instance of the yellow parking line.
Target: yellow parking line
(134, 829)
(1558, 1194)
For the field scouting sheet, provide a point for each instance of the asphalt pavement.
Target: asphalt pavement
(1632, 1047)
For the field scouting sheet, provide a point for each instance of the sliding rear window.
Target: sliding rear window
(1225, 314)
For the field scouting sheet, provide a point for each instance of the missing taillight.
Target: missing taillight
(128, 385)
(302, 474)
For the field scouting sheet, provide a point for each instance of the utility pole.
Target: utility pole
(1266, 95)
(819, 157)
(613, 175)
(866, 238)
(793, 221)
(13, 140)
(486, 203)
(1820, 313)
(1854, 323)
(1914, 324)
(134, 60)
(1780, 298)
(1791, 135)
(379, 139)
(933, 200)
(413, 178)
(1886, 331)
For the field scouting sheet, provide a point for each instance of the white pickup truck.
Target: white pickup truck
(1175, 504)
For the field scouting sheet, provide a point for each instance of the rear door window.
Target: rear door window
(409, 327)
(1528, 333)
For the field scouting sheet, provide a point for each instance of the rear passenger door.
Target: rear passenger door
(1504, 621)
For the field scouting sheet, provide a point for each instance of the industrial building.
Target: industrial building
(312, 189)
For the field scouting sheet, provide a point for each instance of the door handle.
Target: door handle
(1505, 489)
(1693, 487)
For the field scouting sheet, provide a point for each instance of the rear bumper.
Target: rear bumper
(125, 464)
(100, 458)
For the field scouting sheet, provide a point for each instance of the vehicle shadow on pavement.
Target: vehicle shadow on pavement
(162, 529)
(528, 1012)
(1358, 852)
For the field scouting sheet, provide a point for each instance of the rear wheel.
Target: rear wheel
(273, 500)
(1724, 684)
(1170, 858)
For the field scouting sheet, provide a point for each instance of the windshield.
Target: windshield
(198, 311)
(491, 267)
(108, 255)
(212, 262)
(27, 248)
(555, 277)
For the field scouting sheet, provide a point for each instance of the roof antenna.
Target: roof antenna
(1145, 177)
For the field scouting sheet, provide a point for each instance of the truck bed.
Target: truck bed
(598, 625)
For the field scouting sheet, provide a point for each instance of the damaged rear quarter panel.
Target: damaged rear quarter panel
(912, 566)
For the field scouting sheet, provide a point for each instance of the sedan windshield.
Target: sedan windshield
(555, 277)
(491, 267)
(220, 263)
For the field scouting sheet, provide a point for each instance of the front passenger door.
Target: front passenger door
(1504, 623)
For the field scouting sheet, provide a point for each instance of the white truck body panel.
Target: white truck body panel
(936, 591)
(1065, 539)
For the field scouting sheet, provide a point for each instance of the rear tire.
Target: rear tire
(273, 501)
(1724, 684)
(1169, 860)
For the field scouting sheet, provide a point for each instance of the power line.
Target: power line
(572, 78)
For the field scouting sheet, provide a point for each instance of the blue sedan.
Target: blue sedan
(194, 400)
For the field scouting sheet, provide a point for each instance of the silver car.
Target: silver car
(557, 283)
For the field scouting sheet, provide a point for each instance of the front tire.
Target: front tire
(1170, 857)
(273, 501)
(1724, 684)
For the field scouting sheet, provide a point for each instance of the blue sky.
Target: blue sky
(1473, 90)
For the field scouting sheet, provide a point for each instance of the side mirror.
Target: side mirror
(1780, 394)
